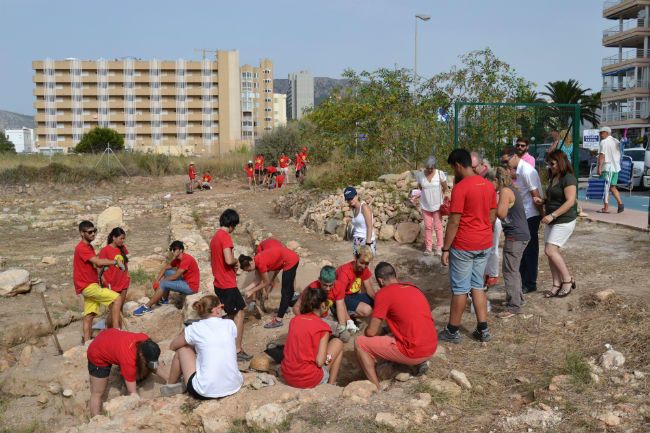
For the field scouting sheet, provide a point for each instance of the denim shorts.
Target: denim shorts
(352, 301)
(466, 270)
(179, 285)
(326, 375)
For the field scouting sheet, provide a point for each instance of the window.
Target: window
(267, 119)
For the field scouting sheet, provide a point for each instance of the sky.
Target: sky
(544, 40)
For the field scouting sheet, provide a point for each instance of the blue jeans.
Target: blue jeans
(178, 285)
(466, 270)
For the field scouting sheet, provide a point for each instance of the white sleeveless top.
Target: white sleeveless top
(431, 197)
(359, 224)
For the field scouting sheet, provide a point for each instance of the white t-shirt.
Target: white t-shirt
(612, 151)
(217, 374)
(528, 180)
(431, 197)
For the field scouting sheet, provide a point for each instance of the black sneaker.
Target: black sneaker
(421, 369)
(451, 337)
(243, 356)
(482, 336)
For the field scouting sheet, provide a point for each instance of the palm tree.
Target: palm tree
(571, 92)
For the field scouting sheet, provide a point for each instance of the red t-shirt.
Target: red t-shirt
(191, 275)
(268, 244)
(350, 281)
(192, 172)
(113, 276)
(284, 161)
(299, 161)
(84, 273)
(279, 180)
(113, 346)
(259, 163)
(336, 293)
(271, 169)
(249, 171)
(408, 315)
(276, 259)
(225, 276)
(473, 198)
(207, 178)
(299, 367)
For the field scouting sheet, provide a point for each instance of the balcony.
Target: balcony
(623, 116)
(630, 33)
(626, 58)
(613, 9)
(630, 85)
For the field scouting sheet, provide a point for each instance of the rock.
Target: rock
(293, 245)
(387, 232)
(609, 418)
(67, 393)
(611, 359)
(54, 388)
(535, 418)
(423, 400)
(639, 374)
(211, 414)
(402, 377)
(130, 306)
(594, 377)
(266, 417)
(110, 218)
(522, 379)
(165, 321)
(14, 281)
(407, 232)
(25, 357)
(48, 260)
(262, 380)
(121, 404)
(603, 295)
(460, 378)
(330, 226)
(261, 362)
(359, 390)
(444, 387)
(42, 398)
(387, 419)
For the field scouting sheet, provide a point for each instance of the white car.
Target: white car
(638, 155)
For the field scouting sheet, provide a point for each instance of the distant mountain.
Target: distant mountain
(323, 87)
(10, 120)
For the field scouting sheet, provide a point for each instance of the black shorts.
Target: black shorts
(191, 391)
(231, 299)
(99, 372)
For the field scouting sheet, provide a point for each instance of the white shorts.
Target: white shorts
(558, 234)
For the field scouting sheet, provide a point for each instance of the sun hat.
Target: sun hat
(606, 129)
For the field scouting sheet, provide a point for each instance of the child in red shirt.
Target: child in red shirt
(310, 356)
(250, 173)
(113, 277)
(206, 179)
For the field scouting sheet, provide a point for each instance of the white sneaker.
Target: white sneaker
(438, 251)
(172, 389)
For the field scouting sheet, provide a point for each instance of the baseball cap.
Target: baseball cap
(151, 352)
(606, 129)
(191, 163)
(350, 193)
(250, 162)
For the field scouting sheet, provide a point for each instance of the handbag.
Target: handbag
(444, 207)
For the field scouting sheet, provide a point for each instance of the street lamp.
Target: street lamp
(415, 62)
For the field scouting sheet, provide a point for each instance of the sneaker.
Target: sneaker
(163, 302)
(172, 389)
(450, 337)
(141, 310)
(422, 368)
(243, 356)
(294, 299)
(427, 253)
(275, 323)
(438, 251)
(482, 336)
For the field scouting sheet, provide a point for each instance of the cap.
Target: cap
(250, 162)
(606, 129)
(151, 352)
(191, 163)
(350, 193)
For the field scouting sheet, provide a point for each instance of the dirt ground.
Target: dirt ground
(555, 337)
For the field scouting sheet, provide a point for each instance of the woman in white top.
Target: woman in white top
(362, 221)
(206, 355)
(433, 187)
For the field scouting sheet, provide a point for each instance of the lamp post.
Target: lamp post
(415, 62)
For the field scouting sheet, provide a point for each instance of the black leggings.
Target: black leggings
(288, 280)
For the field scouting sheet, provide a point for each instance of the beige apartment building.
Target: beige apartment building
(626, 73)
(162, 106)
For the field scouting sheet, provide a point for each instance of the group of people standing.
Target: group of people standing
(276, 173)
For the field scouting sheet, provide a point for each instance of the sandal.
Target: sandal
(602, 211)
(563, 293)
(552, 293)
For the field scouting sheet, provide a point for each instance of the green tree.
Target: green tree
(571, 92)
(96, 140)
(6, 146)
(283, 139)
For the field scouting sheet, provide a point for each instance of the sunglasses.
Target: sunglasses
(521, 145)
(91, 231)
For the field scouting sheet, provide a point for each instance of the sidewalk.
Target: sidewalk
(630, 218)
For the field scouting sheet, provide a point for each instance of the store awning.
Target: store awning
(618, 71)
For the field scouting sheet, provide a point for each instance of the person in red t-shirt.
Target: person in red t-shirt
(275, 259)
(301, 165)
(206, 179)
(113, 277)
(136, 354)
(468, 240)
(408, 314)
(355, 276)
(271, 172)
(259, 168)
(250, 173)
(310, 356)
(86, 281)
(224, 270)
(284, 162)
(268, 244)
(279, 180)
(335, 302)
(180, 275)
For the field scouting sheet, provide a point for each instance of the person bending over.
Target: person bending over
(181, 275)
(311, 356)
(408, 315)
(206, 355)
(135, 354)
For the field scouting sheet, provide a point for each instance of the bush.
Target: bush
(96, 140)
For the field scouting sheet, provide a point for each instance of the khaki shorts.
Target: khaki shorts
(95, 296)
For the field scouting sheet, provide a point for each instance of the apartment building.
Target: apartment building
(626, 73)
(279, 109)
(300, 94)
(256, 100)
(23, 139)
(162, 106)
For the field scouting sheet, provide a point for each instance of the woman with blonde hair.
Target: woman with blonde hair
(206, 355)
(511, 212)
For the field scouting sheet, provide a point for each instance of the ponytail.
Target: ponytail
(116, 232)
